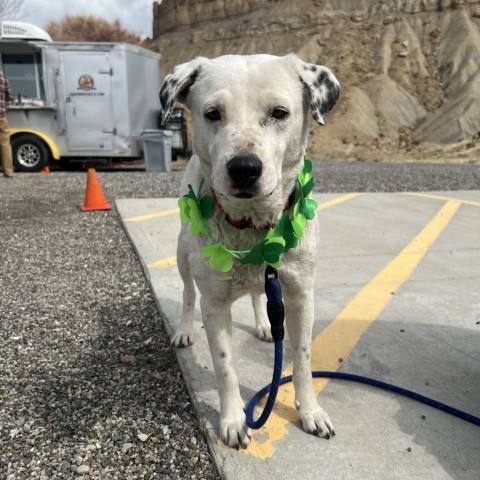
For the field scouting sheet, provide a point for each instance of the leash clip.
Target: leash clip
(275, 308)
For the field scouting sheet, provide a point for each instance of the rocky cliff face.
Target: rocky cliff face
(409, 69)
(189, 13)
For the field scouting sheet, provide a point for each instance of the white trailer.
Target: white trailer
(76, 100)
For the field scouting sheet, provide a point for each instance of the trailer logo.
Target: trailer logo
(85, 82)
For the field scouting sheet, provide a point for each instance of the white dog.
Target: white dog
(250, 118)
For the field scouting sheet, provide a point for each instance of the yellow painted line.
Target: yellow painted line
(164, 263)
(337, 201)
(322, 206)
(150, 216)
(339, 338)
(170, 261)
(445, 199)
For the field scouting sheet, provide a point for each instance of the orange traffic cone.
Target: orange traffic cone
(94, 199)
(45, 169)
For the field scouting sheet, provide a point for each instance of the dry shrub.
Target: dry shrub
(88, 28)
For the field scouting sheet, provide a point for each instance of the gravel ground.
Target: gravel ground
(394, 177)
(89, 385)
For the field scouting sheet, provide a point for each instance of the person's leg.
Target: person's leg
(5, 148)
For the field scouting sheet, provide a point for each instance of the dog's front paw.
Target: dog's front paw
(317, 423)
(235, 433)
(181, 339)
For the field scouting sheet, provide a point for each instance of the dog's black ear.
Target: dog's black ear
(176, 85)
(321, 87)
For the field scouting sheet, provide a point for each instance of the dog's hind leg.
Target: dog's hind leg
(183, 333)
(262, 324)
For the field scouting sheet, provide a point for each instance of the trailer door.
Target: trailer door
(88, 101)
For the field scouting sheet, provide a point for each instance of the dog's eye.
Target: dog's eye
(279, 113)
(213, 115)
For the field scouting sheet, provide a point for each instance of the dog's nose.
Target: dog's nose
(244, 171)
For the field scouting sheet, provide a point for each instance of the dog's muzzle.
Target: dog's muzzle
(244, 172)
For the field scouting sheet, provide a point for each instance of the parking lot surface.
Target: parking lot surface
(397, 299)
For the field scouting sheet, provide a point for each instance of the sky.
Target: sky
(134, 15)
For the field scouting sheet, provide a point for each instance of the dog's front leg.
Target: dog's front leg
(299, 314)
(217, 320)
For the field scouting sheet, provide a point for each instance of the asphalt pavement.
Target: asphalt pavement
(397, 299)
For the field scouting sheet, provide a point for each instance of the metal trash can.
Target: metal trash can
(157, 150)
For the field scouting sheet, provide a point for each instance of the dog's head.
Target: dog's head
(250, 118)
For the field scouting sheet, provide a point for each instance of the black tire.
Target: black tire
(30, 154)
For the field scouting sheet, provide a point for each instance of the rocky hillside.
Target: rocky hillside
(409, 69)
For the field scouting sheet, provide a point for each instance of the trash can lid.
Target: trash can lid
(156, 133)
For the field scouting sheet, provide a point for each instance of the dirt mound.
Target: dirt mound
(458, 119)
(409, 69)
(393, 102)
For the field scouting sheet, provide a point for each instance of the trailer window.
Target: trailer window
(24, 73)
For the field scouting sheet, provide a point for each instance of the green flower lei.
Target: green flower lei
(280, 239)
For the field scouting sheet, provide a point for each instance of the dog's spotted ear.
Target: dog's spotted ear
(176, 85)
(321, 87)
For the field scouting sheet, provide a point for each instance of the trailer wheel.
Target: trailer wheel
(30, 154)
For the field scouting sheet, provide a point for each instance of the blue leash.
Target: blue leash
(276, 315)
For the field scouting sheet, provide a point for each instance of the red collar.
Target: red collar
(247, 222)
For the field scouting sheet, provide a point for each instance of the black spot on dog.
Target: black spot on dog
(333, 92)
(322, 93)
(193, 77)
(174, 87)
(165, 94)
(321, 79)
(185, 86)
(308, 67)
